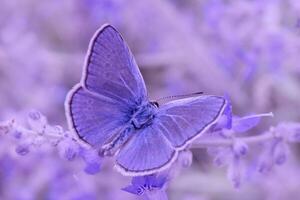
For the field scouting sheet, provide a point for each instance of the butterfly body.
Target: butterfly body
(143, 115)
(109, 109)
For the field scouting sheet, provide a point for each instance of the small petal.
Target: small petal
(92, 161)
(160, 181)
(146, 184)
(92, 168)
(132, 189)
(138, 180)
(150, 181)
(243, 124)
(156, 181)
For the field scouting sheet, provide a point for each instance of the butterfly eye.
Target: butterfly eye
(154, 103)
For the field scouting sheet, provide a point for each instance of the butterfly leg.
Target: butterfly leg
(111, 148)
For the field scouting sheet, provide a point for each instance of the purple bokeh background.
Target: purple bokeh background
(246, 50)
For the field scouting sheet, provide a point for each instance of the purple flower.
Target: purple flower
(289, 131)
(274, 152)
(22, 149)
(6, 127)
(149, 187)
(37, 121)
(17, 134)
(238, 124)
(240, 148)
(69, 149)
(92, 161)
(280, 153)
(92, 168)
(234, 173)
(232, 155)
(70, 153)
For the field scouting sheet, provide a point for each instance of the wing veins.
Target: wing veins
(180, 117)
(99, 96)
(117, 97)
(163, 135)
(126, 85)
(183, 119)
(101, 44)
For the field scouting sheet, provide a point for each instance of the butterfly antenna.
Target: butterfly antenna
(169, 98)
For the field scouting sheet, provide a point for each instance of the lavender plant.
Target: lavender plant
(246, 49)
(223, 142)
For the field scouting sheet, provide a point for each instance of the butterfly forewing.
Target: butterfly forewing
(147, 152)
(111, 69)
(111, 88)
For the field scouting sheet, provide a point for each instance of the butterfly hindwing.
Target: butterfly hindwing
(147, 151)
(95, 118)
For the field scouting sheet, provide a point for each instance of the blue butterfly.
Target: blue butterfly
(109, 109)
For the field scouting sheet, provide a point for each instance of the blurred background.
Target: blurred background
(246, 49)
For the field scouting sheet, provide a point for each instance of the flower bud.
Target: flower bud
(22, 149)
(240, 148)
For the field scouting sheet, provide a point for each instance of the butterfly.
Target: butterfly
(109, 109)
